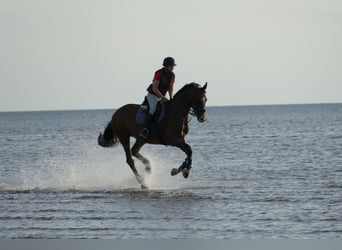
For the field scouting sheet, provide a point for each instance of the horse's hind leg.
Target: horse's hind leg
(135, 151)
(126, 145)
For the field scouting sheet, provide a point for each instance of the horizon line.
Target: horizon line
(210, 106)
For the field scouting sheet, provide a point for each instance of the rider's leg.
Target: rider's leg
(152, 101)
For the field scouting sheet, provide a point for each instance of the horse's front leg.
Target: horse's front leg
(187, 164)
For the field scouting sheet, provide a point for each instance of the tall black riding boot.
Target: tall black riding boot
(148, 121)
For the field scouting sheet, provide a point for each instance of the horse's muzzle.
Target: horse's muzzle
(202, 117)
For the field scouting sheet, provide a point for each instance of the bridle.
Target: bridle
(198, 107)
(195, 112)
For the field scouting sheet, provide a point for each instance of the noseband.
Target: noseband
(195, 111)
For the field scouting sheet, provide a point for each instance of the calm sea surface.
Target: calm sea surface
(258, 172)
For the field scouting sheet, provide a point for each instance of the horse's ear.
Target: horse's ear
(205, 86)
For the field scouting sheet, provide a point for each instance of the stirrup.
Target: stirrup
(144, 133)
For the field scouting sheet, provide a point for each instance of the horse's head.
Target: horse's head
(199, 102)
(193, 96)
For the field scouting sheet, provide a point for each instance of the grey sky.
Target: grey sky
(68, 54)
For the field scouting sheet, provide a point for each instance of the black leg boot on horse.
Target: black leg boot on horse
(148, 122)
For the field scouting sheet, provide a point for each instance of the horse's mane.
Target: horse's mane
(186, 87)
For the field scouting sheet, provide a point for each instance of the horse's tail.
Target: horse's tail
(108, 138)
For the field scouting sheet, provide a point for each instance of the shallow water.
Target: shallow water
(258, 172)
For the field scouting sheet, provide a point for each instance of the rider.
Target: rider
(163, 82)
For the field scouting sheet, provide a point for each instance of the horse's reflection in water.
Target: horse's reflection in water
(172, 129)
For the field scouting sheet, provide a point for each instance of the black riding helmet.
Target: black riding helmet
(169, 61)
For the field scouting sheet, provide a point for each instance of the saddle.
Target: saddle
(144, 109)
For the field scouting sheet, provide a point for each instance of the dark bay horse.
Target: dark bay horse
(173, 128)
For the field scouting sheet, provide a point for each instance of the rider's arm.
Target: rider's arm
(155, 85)
(171, 89)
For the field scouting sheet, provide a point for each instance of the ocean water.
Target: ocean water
(258, 172)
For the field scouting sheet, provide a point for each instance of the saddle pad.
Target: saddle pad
(141, 114)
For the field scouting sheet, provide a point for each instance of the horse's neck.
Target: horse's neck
(180, 108)
(176, 116)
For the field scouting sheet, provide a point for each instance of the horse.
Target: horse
(170, 131)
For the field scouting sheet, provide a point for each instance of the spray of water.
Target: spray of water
(95, 170)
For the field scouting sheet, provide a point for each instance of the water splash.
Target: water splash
(93, 171)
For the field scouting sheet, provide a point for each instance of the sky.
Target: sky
(99, 54)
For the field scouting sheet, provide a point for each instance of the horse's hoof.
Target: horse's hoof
(141, 182)
(148, 170)
(174, 171)
(185, 173)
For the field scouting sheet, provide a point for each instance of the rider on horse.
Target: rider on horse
(163, 82)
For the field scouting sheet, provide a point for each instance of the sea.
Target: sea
(259, 172)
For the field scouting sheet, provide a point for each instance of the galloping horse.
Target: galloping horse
(172, 129)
